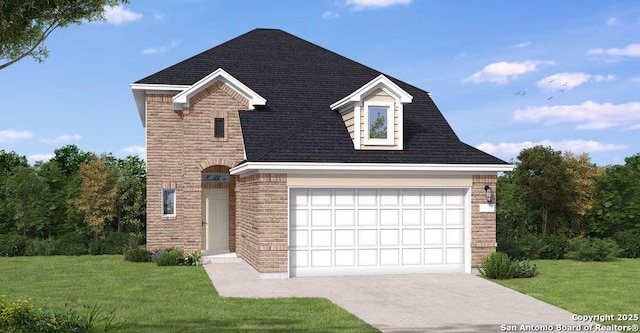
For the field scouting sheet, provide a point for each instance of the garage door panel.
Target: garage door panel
(411, 217)
(299, 217)
(345, 238)
(321, 217)
(389, 217)
(320, 238)
(375, 231)
(345, 217)
(367, 217)
(367, 237)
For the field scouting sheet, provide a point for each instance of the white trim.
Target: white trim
(140, 91)
(181, 100)
(389, 141)
(306, 167)
(400, 145)
(356, 126)
(380, 82)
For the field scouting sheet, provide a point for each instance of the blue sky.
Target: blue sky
(506, 75)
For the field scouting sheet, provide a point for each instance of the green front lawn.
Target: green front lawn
(149, 298)
(587, 288)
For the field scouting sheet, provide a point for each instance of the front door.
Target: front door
(215, 219)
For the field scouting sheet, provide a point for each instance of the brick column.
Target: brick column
(483, 225)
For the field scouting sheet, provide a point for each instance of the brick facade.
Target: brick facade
(180, 146)
(483, 225)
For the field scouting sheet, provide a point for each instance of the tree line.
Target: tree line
(76, 195)
(550, 193)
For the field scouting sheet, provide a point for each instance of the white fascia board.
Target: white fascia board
(140, 92)
(181, 100)
(253, 167)
(381, 82)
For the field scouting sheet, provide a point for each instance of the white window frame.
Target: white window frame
(175, 196)
(389, 141)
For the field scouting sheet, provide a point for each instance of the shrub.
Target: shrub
(556, 246)
(12, 246)
(192, 259)
(593, 249)
(497, 266)
(168, 257)
(72, 244)
(527, 247)
(629, 242)
(21, 316)
(137, 255)
(96, 247)
(118, 243)
(41, 247)
(524, 269)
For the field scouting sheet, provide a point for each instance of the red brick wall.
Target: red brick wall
(180, 145)
(483, 225)
(262, 222)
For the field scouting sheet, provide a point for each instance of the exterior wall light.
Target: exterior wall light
(489, 193)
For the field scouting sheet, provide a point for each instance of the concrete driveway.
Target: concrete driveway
(405, 303)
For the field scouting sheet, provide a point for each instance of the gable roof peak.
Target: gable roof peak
(380, 82)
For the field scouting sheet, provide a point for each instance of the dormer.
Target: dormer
(373, 114)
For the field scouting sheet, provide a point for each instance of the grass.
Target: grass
(586, 288)
(174, 299)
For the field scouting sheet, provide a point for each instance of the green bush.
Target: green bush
(629, 242)
(527, 247)
(41, 247)
(118, 243)
(556, 246)
(497, 266)
(169, 257)
(524, 269)
(593, 249)
(137, 255)
(72, 244)
(193, 259)
(12, 246)
(22, 317)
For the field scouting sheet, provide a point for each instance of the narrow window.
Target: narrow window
(378, 122)
(168, 202)
(218, 127)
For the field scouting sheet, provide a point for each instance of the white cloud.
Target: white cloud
(634, 127)
(365, 4)
(578, 146)
(570, 80)
(521, 45)
(140, 151)
(39, 157)
(588, 115)
(330, 15)
(13, 135)
(63, 138)
(162, 49)
(612, 21)
(631, 50)
(502, 72)
(118, 15)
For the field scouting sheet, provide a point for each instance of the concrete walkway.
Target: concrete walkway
(404, 303)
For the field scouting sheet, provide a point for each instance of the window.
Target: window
(168, 202)
(379, 123)
(218, 127)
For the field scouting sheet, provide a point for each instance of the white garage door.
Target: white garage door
(377, 231)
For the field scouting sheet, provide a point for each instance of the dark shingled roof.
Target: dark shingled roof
(300, 80)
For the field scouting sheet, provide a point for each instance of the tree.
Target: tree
(28, 194)
(543, 181)
(97, 198)
(617, 200)
(26, 24)
(131, 199)
(581, 185)
(9, 163)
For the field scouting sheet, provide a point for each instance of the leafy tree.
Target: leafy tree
(617, 200)
(131, 199)
(543, 182)
(69, 158)
(9, 163)
(26, 24)
(28, 194)
(581, 185)
(514, 218)
(97, 198)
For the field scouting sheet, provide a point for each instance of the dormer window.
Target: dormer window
(379, 123)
